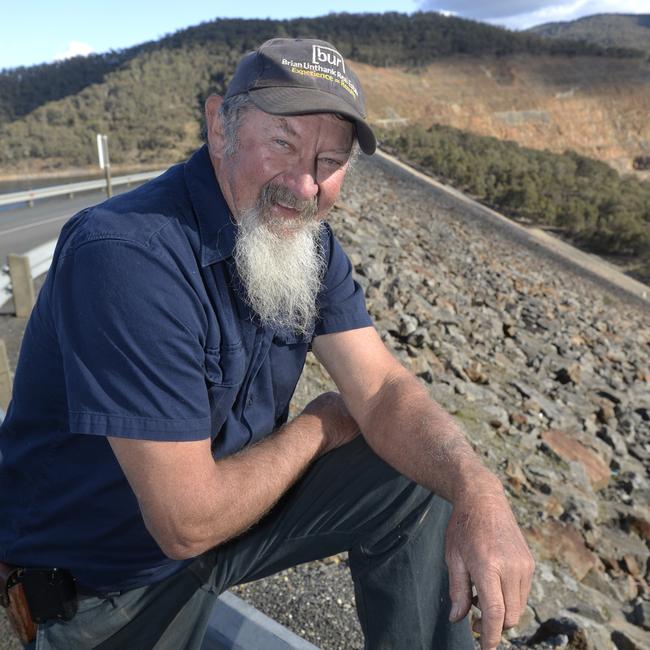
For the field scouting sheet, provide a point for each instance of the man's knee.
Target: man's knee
(395, 507)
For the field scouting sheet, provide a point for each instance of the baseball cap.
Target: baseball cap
(299, 76)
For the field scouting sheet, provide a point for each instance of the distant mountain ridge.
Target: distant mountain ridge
(606, 30)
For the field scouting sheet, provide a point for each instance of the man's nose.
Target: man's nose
(302, 182)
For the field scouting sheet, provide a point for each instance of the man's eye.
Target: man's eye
(331, 162)
(283, 143)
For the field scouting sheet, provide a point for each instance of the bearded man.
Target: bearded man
(146, 454)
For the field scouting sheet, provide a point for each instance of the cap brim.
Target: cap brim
(290, 100)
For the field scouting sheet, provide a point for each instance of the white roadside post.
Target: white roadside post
(20, 271)
(104, 161)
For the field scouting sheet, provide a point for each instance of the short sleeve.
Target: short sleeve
(341, 303)
(129, 328)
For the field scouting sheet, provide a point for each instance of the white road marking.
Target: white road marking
(33, 225)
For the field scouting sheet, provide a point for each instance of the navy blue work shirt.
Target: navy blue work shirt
(140, 332)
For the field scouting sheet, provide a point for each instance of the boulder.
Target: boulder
(563, 543)
(569, 374)
(571, 450)
(560, 630)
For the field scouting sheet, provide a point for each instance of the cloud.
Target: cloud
(75, 48)
(525, 13)
(485, 10)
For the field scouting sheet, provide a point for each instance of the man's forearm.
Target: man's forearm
(190, 502)
(483, 544)
(415, 435)
(243, 487)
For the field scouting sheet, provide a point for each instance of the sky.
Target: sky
(41, 31)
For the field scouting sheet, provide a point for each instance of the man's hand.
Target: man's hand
(485, 547)
(338, 426)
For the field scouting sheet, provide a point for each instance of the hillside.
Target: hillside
(606, 30)
(596, 107)
(580, 199)
(378, 39)
(547, 372)
(148, 98)
(152, 106)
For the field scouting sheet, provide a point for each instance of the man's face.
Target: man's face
(280, 180)
(296, 162)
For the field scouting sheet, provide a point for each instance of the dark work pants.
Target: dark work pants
(348, 500)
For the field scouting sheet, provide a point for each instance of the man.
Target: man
(147, 449)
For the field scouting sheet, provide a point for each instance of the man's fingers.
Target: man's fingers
(493, 611)
(524, 588)
(512, 601)
(460, 589)
(485, 542)
(526, 583)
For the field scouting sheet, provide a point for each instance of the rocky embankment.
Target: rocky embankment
(548, 373)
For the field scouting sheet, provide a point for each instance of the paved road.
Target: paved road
(24, 228)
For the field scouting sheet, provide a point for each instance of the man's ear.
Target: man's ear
(213, 123)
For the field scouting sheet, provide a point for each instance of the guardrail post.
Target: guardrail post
(22, 284)
(5, 378)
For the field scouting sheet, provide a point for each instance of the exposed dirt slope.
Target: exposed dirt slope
(595, 106)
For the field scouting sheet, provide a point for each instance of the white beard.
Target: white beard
(280, 264)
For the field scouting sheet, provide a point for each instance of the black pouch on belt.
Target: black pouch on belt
(35, 595)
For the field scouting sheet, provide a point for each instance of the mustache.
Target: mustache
(273, 193)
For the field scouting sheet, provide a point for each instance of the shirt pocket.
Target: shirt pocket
(227, 366)
(286, 360)
(225, 370)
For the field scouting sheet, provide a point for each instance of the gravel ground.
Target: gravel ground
(314, 600)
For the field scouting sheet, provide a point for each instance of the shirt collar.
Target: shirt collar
(217, 228)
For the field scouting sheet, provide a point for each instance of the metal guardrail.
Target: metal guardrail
(5, 285)
(40, 258)
(29, 196)
(38, 261)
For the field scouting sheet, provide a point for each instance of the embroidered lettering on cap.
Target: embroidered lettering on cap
(322, 54)
(286, 76)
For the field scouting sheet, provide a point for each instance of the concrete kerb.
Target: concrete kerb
(236, 625)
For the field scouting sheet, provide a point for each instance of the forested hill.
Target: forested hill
(377, 39)
(606, 30)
